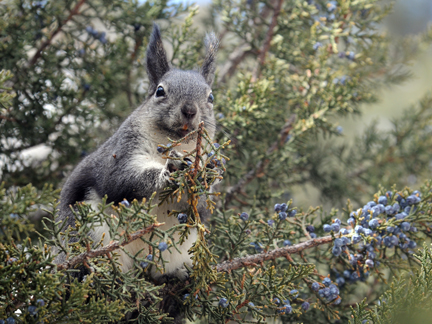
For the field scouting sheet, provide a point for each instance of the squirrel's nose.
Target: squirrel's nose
(189, 111)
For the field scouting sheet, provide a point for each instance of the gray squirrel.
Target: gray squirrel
(128, 166)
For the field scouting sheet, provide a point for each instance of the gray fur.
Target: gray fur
(127, 165)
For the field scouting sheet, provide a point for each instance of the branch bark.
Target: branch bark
(252, 260)
(106, 249)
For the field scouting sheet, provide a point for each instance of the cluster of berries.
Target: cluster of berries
(327, 290)
(98, 35)
(375, 226)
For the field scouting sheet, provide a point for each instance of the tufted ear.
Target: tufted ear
(209, 66)
(157, 62)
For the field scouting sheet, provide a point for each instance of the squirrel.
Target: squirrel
(128, 166)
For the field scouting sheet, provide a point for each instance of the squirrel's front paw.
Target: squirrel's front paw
(175, 161)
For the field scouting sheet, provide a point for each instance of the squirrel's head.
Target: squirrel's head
(179, 100)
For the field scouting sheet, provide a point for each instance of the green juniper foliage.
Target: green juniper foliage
(288, 72)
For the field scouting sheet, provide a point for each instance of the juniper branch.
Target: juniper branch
(255, 259)
(106, 249)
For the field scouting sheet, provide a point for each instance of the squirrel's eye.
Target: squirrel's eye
(210, 98)
(160, 92)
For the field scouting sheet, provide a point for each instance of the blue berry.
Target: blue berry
(244, 216)
(405, 226)
(86, 87)
(40, 302)
(356, 238)
(412, 245)
(347, 273)
(258, 247)
(371, 203)
(223, 302)
(334, 289)
(145, 264)
(14, 216)
(310, 228)
(369, 263)
(389, 194)
(336, 250)
(292, 213)
(345, 240)
(282, 215)
(403, 203)
(337, 221)
(351, 56)
(288, 309)
(216, 145)
(339, 129)
(162, 246)
(160, 149)
(276, 300)
(283, 207)
(411, 200)
(340, 281)
(32, 310)
(394, 240)
(387, 241)
(390, 229)
(10, 320)
(277, 208)
(182, 218)
(382, 200)
(250, 304)
(341, 55)
(373, 223)
(287, 243)
(389, 210)
(368, 232)
(344, 231)
(316, 46)
(185, 296)
(351, 221)
(125, 203)
(326, 281)
(315, 286)
(335, 227)
(294, 293)
(327, 228)
(305, 306)
(270, 222)
(338, 242)
(359, 229)
(313, 235)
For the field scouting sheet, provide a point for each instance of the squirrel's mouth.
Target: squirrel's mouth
(184, 130)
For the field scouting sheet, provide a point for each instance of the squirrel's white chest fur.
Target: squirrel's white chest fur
(175, 261)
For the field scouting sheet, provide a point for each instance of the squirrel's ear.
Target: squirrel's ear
(157, 62)
(209, 66)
